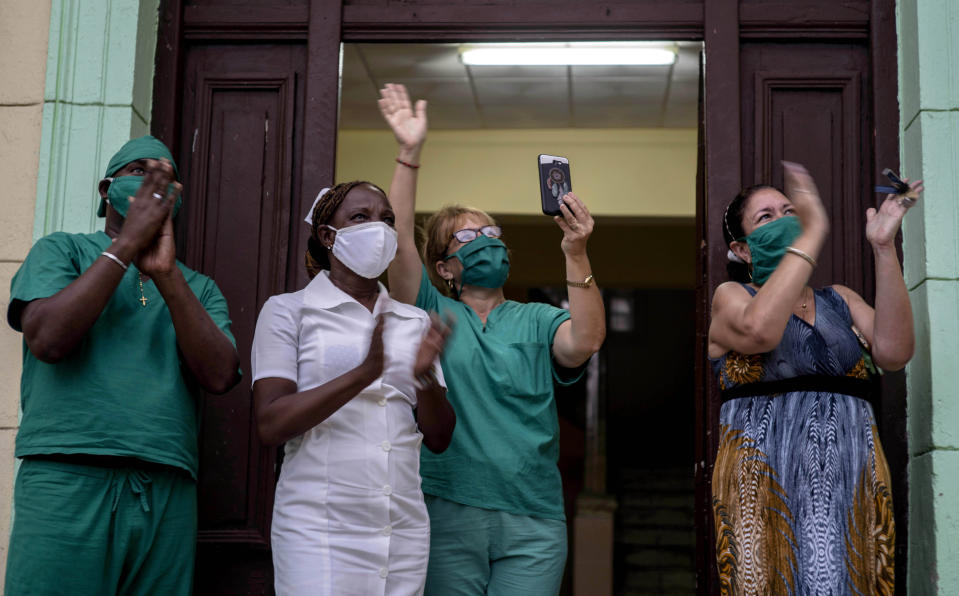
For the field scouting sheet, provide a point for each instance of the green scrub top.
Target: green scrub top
(124, 390)
(500, 382)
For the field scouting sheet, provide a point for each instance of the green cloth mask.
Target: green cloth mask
(145, 147)
(124, 187)
(767, 245)
(485, 262)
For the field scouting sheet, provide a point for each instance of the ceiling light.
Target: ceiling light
(578, 54)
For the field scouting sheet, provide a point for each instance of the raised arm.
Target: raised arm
(207, 351)
(409, 126)
(754, 325)
(582, 335)
(53, 327)
(888, 328)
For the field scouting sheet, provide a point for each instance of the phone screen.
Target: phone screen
(554, 182)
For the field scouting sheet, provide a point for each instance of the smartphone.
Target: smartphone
(554, 182)
(898, 185)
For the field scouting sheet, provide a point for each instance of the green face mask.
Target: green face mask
(485, 262)
(767, 245)
(123, 187)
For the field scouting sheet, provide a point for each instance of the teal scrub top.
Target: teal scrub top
(499, 376)
(124, 390)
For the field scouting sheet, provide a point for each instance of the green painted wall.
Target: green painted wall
(929, 116)
(99, 87)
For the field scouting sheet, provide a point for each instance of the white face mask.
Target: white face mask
(366, 248)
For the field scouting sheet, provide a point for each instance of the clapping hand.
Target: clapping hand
(148, 225)
(373, 363)
(803, 194)
(151, 205)
(432, 345)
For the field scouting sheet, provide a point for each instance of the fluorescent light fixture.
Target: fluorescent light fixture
(568, 54)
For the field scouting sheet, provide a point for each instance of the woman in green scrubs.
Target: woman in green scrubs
(495, 495)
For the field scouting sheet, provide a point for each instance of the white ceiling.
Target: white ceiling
(463, 96)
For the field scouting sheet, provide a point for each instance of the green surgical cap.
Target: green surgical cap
(145, 147)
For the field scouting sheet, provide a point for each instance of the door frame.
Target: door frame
(721, 24)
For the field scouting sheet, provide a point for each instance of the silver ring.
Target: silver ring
(907, 201)
(157, 196)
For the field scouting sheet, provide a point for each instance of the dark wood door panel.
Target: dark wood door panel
(242, 220)
(238, 128)
(816, 124)
(806, 104)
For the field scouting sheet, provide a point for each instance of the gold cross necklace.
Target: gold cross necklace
(142, 299)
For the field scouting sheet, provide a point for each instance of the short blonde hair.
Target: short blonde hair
(438, 230)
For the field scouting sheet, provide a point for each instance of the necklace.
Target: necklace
(143, 299)
(804, 303)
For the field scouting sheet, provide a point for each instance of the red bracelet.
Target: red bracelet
(407, 164)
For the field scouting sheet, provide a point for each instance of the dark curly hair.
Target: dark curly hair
(316, 256)
(733, 228)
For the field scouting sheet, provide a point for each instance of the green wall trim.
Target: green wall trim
(937, 448)
(99, 84)
(933, 279)
(928, 39)
(928, 110)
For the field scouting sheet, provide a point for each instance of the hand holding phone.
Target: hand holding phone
(906, 195)
(554, 182)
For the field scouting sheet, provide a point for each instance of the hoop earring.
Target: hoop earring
(449, 283)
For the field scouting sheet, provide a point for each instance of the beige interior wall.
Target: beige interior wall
(617, 172)
(24, 26)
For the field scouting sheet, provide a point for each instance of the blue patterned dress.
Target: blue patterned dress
(801, 488)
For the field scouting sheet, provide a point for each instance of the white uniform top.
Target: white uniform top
(349, 516)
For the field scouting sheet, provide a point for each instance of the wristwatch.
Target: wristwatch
(581, 284)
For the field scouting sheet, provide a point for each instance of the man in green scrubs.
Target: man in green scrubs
(117, 336)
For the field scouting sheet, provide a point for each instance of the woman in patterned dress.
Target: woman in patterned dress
(801, 489)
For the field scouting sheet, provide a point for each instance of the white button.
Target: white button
(384, 572)
(386, 445)
(381, 402)
(387, 490)
(387, 530)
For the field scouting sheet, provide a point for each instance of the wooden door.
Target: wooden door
(236, 153)
(246, 93)
(239, 109)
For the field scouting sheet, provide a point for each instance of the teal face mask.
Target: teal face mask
(122, 188)
(767, 245)
(485, 262)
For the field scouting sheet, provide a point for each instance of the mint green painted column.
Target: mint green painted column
(929, 114)
(99, 87)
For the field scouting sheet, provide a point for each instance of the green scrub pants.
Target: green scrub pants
(91, 530)
(477, 551)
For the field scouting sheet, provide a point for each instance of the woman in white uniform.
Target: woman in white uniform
(349, 380)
